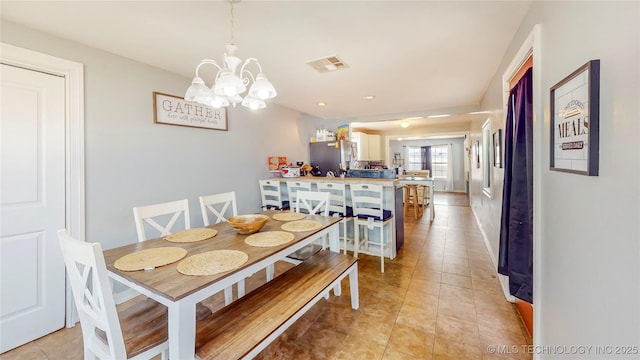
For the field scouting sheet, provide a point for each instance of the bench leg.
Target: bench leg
(353, 286)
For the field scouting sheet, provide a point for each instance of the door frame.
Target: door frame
(531, 47)
(73, 74)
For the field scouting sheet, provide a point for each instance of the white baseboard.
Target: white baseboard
(504, 280)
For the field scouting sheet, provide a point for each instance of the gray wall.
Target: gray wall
(458, 155)
(587, 258)
(130, 161)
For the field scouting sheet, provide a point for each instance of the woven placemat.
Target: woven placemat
(191, 235)
(301, 225)
(150, 258)
(269, 238)
(289, 216)
(212, 262)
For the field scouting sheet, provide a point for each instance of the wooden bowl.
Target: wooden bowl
(248, 224)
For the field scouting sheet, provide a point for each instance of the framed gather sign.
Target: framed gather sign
(173, 110)
(575, 109)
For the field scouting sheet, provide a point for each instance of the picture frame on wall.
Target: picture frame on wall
(476, 153)
(575, 121)
(497, 148)
(174, 110)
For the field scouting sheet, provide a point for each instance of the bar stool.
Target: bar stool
(411, 199)
(426, 200)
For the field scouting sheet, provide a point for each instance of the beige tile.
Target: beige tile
(458, 310)
(457, 280)
(445, 349)
(426, 287)
(27, 351)
(460, 331)
(408, 340)
(359, 347)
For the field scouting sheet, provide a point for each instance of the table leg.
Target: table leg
(334, 238)
(182, 330)
(353, 286)
(431, 205)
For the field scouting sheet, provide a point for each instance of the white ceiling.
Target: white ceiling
(417, 57)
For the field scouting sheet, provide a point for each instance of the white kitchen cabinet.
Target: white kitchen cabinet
(375, 148)
(369, 148)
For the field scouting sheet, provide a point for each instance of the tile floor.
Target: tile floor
(439, 299)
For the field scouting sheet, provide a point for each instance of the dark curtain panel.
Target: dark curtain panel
(425, 154)
(516, 228)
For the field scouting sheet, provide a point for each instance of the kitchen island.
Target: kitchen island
(392, 201)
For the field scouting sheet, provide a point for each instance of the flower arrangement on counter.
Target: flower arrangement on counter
(307, 169)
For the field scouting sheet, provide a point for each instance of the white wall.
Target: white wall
(587, 258)
(130, 161)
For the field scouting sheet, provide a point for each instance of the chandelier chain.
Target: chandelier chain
(232, 34)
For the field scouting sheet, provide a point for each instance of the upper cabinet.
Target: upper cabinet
(368, 145)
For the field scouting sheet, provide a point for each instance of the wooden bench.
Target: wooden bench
(245, 327)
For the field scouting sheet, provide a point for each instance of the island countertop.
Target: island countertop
(346, 180)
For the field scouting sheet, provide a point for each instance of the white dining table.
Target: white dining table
(424, 181)
(180, 293)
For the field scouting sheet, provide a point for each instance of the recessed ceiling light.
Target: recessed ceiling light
(438, 116)
(368, 97)
(321, 103)
(404, 124)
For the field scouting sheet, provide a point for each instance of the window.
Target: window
(414, 159)
(438, 160)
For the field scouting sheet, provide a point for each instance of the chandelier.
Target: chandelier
(229, 84)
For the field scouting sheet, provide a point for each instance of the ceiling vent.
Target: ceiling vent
(327, 64)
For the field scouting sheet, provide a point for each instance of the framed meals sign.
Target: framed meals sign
(173, 110)
(575, 106)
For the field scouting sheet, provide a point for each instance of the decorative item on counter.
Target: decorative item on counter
(343, 132)
(324, 135)
(276, 162)
(306, 169)
(290, 171)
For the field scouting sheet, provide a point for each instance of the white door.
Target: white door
(32, 205)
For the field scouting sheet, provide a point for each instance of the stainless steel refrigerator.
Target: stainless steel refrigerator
(331, 156)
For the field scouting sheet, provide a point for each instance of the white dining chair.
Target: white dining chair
(292, 189)
(138, 332)
(338, 206)
(367, 201)
(311, 202)
(167, 213)
(272, 196)
(221, 206)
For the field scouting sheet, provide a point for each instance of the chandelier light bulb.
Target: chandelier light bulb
(231, 81)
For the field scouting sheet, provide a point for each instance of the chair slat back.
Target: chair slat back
(294, 186)
(313, 202)
(367, 200)
(337, 198)
(149, 214)
(218, 205)
(92, 295)
(270, 193)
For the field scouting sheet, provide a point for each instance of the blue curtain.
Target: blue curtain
(425, 158)
(516, 228)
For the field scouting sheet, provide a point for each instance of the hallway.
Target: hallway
(439, 299)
